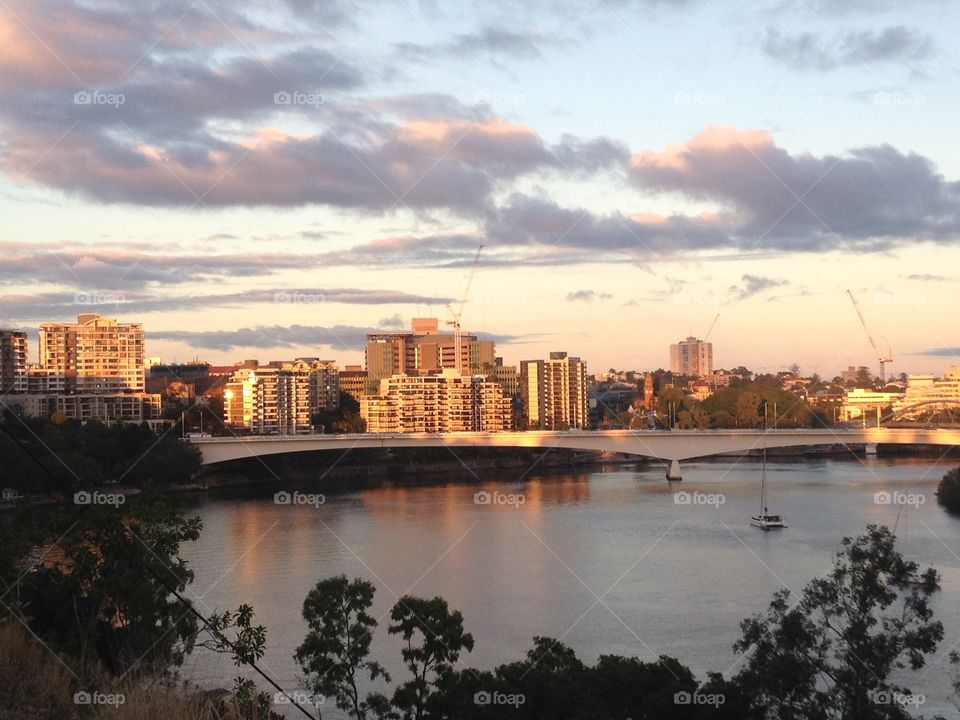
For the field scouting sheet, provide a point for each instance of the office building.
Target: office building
(13, 361)
(442, 403)
(95, 354)
(353, 381)
(554, 393)
(691, 357)
(926, 391)
(506, 376)
(423, 350)
(867, 404)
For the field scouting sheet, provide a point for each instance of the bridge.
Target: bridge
(670, 446)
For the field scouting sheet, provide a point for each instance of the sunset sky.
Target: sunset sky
(275, 180)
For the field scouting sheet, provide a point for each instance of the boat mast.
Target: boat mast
(763, 471)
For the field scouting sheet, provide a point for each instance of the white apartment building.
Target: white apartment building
(281, 397)
(13, 361)
(691, 357)
(95, 354)
(442, 403)
(554, 392)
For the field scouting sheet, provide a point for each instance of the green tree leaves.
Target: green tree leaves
(830, 656)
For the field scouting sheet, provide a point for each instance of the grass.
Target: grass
(34, 685)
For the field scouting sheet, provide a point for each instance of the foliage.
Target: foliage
(948, 492)
(335, 652)
(345, 419)
(433, 639)
(82, 455)
(830, 656)
(96, 596)
(743, 404)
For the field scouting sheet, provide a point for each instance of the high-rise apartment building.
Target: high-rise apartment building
(95, 354)
(13, 361)
(691, 357)
(442, 403)
(423, 350)
(280, 397)
(554, 392)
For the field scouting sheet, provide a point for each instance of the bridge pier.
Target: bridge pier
(870, 448)
(673, 470)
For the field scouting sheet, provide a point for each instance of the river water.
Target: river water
(607, 559)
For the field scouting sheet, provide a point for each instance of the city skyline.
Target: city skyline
(314, 175)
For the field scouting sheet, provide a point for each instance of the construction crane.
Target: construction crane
(712, 326)
(883, 359)
(457, 314)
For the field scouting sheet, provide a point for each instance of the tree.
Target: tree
(864, 378)
(434, 638)
(336, 649)
(829, 656)
(948, 492)
(248, 645)
(104, 596)
(748, 409)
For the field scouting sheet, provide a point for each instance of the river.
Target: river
(605, 558)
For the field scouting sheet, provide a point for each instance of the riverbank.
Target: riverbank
(364, 468)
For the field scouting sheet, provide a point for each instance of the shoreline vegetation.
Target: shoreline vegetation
(116, 626)
(42, 456)
(96, 621)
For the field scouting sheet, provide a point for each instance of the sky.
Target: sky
(272, 180)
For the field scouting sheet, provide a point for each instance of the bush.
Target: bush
(948, 494)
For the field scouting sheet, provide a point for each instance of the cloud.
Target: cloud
(940, 352)
(754, 285)
(340, 337)
(394, 322)
(489, 41)
(929, 277)
(587, 296)
(871, 198)
(809, 51)
(59, 305)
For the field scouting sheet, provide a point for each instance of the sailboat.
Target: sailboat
(764, 520)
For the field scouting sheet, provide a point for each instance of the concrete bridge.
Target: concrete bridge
(670, 446)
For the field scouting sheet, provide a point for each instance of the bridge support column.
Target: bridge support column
(870, 448)
(673, 470)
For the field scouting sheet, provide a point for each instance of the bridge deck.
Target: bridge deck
(666, 445)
